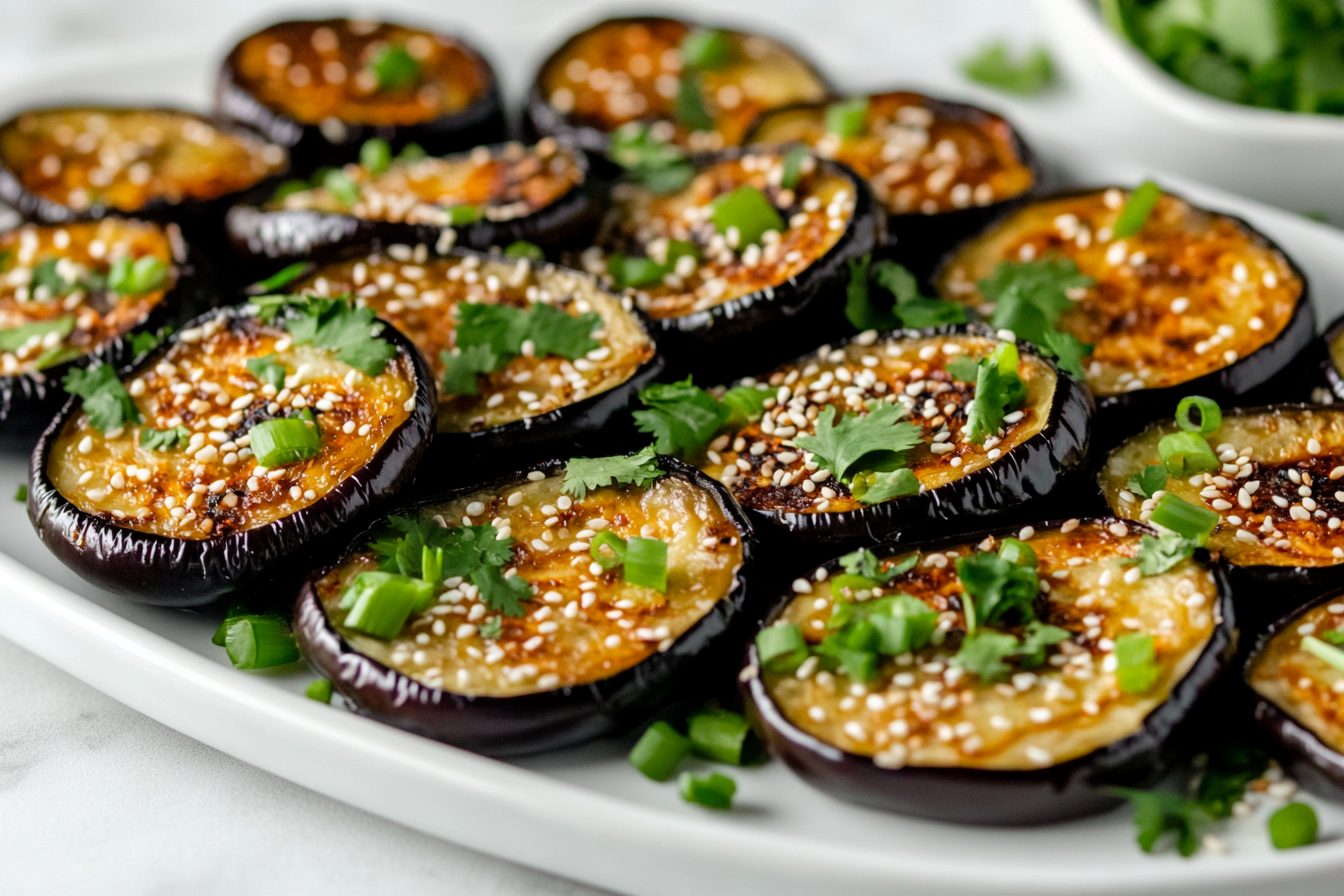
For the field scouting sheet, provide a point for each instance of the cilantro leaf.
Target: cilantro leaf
(997, 589)
(1029, 296)
(492, 628)
(859, 308)
(983, 653)
(998, 390)
(1036, 639)
(338, 325)
(473, 552)
(144, 343)
(468, 548)
(864, 562)
(461, 368)
(681, 417)
(910, 308)
(964, 368)
(15, 338)
(1157, 811)
(921, 312)
(106, 400)
(553, 332)
(1157, 555)
(745, 404)
(503, 594)
(876, 487)
(489, 336)
(399, 543)
(46, 276)
(164, 439)
(657, 166)
(268, 370)
(896, 279)
(993, 67)
(874, 441)
(1068, 351)
(584, 473)
(1231, 767)
(1149, 482)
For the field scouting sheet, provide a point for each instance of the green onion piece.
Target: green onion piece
(339, 185)
(646, 563)
(1184, 454)
(15, 338)
(411, 152)
(793, 167)
(627, 272)
(1017, 552)
(375, 155)
(1323, 651)
(394, 68)
(1137, 209)
(615, 545)
(381, 602)
(903, 624)
(1184, 518)
(1136, 668)
(259, 642)
(1292, 826)
(524, 249)
(1210, 415)
(286, 275)
(659, 751)
(689, 109)
(431, 565)
(720, 735)
(855, 585)
(464, 214)
(715, 791)
(135, 278)
(284, 440)
(781, 648)
(234, 611)
(746, 209)
(319, 690)
(289, 188)
(21, 494)
(848, 118)
(704, 48)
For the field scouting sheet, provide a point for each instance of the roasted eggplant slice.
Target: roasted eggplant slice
(1276, 496)
(492, 196)
(231, 453)
(773, 466)
(1327, 378)
(1194, 302)
(941, 170)
(321, 88)
(584, 650)
(80, 163)
(1297, 674)
(734, 259)
(69, 294)
(702, 86)
(593, 353)
(1021, 722)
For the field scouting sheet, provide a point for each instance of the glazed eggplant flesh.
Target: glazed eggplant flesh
(423, 295)
(492, 196)
(768, 466)
(586, 652)
(66, 164)
(1327, 386)
(951, 731)
(322, 87)
(152, 486)
(1194, 299)
(700, 86)
(1301, 694)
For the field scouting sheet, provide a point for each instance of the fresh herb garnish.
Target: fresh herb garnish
(394, 68)
(267, 369)
(864, 562)
(341, 186)
(1230, 769)
(876, 441)
(47, 277)
(461, 215)
(135, 278)
(706, 49)
(106, 401)
(1136, 668)
(1157, 555)
(684, 418)
(1000, 588)
(651, 163)
(584, 473)
(848, 118)
(1157, 811)
(144, 343)
(375, 155)
(793, 166)
(462, 368)
(659, 751)
(1030, 296)
(490, 336)
(748, 211)
(1151, 480)
(524, 249)
(1184, 518)
(1136, 210)
(165, 439)
(21, 493)
(1292, 826)
(492, 628)
(629, 271)
(876, 487)
(283, 277)
(998, 391)
(713, 792)
(338, 325)
(994, 67)
(285, 440)
(908, 309)
(15, 338)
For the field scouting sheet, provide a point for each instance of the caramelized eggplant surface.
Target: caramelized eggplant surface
(637, 69)
(63, 164)
(1299, 682)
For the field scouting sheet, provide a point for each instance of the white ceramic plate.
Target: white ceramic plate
(584, 813)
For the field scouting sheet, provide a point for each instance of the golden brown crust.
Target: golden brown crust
(1299, 683)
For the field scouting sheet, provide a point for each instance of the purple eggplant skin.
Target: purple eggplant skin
(29, 401)
(480, 123)
(1326, 381)
(261, 237)
(550, 720)
(175, 572)
(1029, 472)
(1069, 790)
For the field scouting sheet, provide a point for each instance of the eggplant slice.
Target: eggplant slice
(530, 401)
(1326, 371)
(593, 654)
(181, 522)
(321, 88)
(1196, 303)
(636, 69)
(927, 738)
(1038, 447)
(1299, 696)
(492, 196)
(721, 310)
(81, 163)
(941, 170)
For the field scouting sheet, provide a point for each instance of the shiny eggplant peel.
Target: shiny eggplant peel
(79, 163)
(585, 649)
(734, 268)
(492, 196)
(1297, 674)
(231, 453)
(1194, 302)
(1327, 378)
(780, 466)
(703, 86)
(941, 170)
(321, 88)
(81, 293)
(576, 357)
(1277, 497)
(1024, 721)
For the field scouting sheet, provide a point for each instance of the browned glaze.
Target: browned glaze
(1300, 683)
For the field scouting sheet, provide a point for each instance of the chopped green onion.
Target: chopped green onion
(903, 624)
(234, 611)
(1184, 518)
(135, 278)
(747, 210)
(431, 565)
(614, 543)
(627, 271)
(781, 648)
(1136, 668)
(259, 642)
(1323, 651)
(1210, 415)
(1017, 552)
(848, 118)
(659, 751)
(1292, 826)
(289, 188)
(646, 563)
(340, 185)
(15, 338)
(319, 690)
(524, 249)
(21, 494)
(411, 152)
(375, 155)
(690, 108)
(1137, 209)
(714, 792)
(381, 602)
(793, 167)
(1185, 453)
(394, 68)
(720, 735)
(284, 440)
(286, 275)
(464, 214)
(704, 48)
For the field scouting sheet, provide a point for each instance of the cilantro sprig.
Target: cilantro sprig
(907, 307)
(584, 473)
(872, 442)
(683, 418)
(999, 390)
(165, 439)
(106, 401)
(350, 332)
(653, 164)
(994, 67)
(488, 337)
(474, 553)
(1029, 297)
